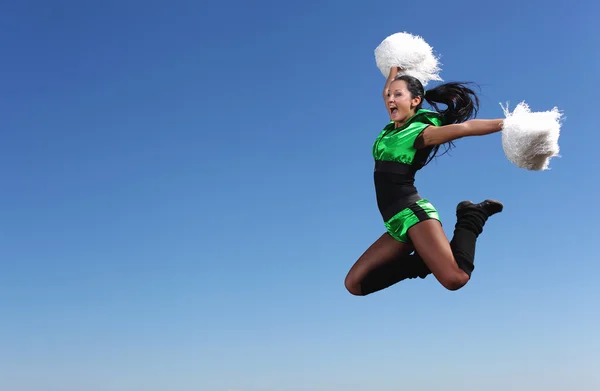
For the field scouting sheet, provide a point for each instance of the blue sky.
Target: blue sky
(186, 184)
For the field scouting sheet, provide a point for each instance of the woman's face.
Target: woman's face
(400, 103)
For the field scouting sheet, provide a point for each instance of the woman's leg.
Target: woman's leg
(452, 262)
(386, 262)
(471, 219)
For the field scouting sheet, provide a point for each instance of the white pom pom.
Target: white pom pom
(411, 53)
(529, 139)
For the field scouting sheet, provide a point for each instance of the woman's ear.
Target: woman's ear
(416, 101)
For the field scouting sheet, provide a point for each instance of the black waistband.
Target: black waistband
(391, 210)
(392, 167)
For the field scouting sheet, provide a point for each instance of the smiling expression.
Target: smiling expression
(400, 103)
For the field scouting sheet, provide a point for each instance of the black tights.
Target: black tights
(388, 262)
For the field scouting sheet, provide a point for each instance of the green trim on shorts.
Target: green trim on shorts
(402, 221)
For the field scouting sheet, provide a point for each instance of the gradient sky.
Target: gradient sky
(186, 184)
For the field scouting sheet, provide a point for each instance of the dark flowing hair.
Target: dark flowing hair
(461, 102)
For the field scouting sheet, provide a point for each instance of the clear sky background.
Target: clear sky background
(184, 186)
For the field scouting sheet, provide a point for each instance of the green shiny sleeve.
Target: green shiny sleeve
(418, 124)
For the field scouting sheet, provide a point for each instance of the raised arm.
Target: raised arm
(437, 135)
(392, 75)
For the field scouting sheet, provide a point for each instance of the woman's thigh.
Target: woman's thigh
(433, 246)
(383, 251)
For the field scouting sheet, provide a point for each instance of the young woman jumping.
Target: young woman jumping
(409, 141)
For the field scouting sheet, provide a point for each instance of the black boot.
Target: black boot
(470, 221)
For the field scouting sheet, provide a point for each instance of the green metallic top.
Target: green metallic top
(397, 145)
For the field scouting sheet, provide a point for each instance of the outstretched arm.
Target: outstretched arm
(437, 135)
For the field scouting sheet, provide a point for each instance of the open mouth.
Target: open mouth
(393, 110)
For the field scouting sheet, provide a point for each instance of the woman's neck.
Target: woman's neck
(398, 124)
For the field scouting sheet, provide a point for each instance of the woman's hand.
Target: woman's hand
(394, 71)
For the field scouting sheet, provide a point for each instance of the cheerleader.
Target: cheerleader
(405, 145)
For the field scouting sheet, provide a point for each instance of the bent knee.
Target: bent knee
(454, 281)
(353, 286)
